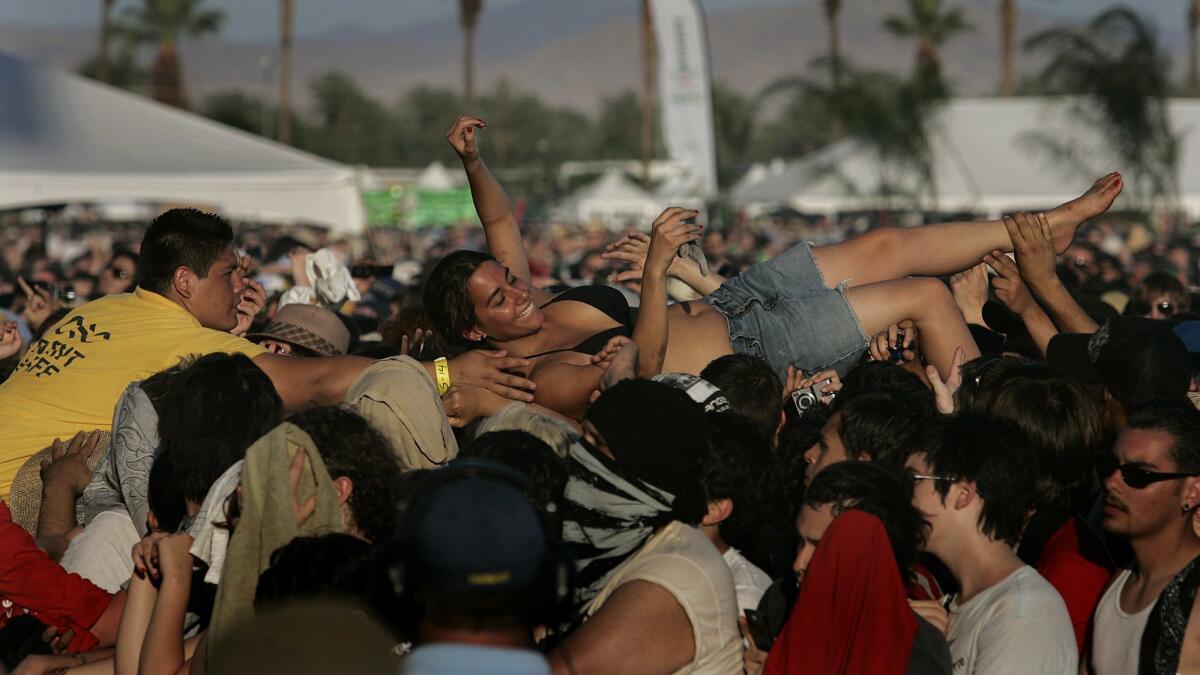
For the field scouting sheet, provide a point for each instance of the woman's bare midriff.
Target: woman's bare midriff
(696, 334)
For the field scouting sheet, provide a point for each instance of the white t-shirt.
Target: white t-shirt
(681, 560)
(1019, 626)
(100, 553)
(749, 581)
(1117, 635)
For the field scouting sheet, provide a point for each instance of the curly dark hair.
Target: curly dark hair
(880, 491)
(446, 300)
(327, 566)
(351, 447)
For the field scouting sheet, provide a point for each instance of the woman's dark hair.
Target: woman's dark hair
(993, 453)
(880, 491)
(351, 447)
(1063, 425)
(446, 300)
(163, 494)
(212, 411)
(330, 566)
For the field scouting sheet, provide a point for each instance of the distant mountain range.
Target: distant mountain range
(572, 53)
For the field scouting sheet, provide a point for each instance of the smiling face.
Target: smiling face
(503, 304)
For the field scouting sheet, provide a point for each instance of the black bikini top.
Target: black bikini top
(606, 299)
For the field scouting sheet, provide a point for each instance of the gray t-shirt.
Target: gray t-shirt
(1019, 626)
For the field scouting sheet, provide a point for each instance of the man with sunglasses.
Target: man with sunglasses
(1151, 489)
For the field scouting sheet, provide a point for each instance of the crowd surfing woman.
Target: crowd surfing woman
(812, 307)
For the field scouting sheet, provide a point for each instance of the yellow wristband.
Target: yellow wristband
(441, 368)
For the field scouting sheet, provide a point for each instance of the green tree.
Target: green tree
(421, 119)
(733, 127)
(931, 25)
(350, 126)
(468, 17)
(618, 127)
(1118, 76)
(123, 71)
(164, 23)
(832, 9)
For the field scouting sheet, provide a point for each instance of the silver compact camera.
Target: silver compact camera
(807, 398)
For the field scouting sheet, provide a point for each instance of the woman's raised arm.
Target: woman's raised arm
(499, 224)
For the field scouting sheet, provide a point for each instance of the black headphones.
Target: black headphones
(397, 576)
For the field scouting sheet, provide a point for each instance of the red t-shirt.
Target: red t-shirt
(1076, 565)
(31, 583)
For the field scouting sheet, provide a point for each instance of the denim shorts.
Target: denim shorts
(782, 311)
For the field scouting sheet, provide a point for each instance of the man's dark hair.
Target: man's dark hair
(330, 566)
(446, 300)
(750, 386)
(1063, 426)
(531, 456)
(993, 453)
(880, 491)
(1181, 421)
(181, 238)
(873, 376)
(351, 447)
(739, 465)
(979, 377)
(879, 425)
(212, 411)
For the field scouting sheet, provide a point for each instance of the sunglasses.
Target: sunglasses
(1134, 475)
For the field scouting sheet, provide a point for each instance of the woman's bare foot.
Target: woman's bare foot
(1067, 218)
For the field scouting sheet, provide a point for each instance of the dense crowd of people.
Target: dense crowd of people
(961, 448)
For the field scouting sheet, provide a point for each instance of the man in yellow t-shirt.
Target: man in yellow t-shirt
(185, 303)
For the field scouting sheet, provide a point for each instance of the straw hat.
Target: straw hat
(314, 328)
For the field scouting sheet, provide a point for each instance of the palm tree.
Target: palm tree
(164, 23)
(832, 9)
(468, 16)
(649, 64)
(285, 72)
(1117, 75)
(105, 34)
(1193, 57)
(1008, 53)
(931, 26)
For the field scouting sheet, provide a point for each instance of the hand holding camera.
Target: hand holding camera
(807, 391)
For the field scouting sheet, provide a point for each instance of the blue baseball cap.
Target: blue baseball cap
(477, 533)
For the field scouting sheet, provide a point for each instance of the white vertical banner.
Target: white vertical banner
(684, 88)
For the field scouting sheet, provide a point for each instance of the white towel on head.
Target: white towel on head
(331, 282)
(210, 541)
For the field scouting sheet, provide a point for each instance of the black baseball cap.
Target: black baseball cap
(1136, 359)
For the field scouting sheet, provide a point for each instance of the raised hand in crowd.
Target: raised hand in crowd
(461, 137)
(944, 391)
(254, 298)
(40, 303)
(1034, 248)
(632, 249)
(10, 340)
(970, 288)
(1014, 293)
(414, 345)
(488, 369)
(900, 338)
(797, 379)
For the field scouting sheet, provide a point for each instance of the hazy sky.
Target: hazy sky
(251, 19)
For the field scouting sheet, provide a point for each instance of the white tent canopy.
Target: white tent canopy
(986, 159)
(612, 200)
(65, 139)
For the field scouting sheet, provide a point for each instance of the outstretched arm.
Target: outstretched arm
(670, 231)
(632, 249)
(1033, 243)
(499, 224)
